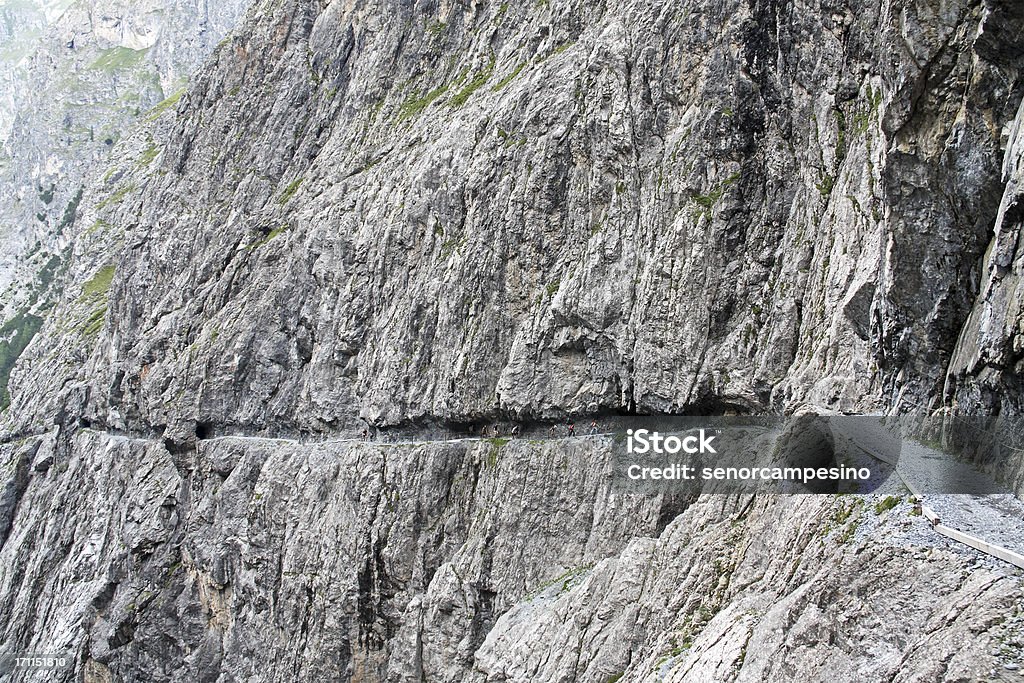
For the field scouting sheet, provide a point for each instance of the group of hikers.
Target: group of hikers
(514, 430)
(554, 431)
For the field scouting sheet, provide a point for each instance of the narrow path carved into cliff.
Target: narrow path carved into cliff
(992, 523)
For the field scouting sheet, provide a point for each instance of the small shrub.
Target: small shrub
(887, 504)
(290, 191)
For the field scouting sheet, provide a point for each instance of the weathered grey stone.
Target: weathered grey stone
(446, 214)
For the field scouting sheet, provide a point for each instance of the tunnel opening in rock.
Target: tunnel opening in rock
(807, 442)
(204, 430)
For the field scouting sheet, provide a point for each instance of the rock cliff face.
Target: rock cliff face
(470, 562)
(438, 213)
(75, 78)
(22, 24)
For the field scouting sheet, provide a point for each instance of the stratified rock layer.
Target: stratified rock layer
(519, 561)
(420, 215)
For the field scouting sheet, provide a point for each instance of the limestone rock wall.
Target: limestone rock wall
(421, 214)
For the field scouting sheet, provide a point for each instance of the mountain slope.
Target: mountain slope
(425, 216)
(498, 211)
(76, 77)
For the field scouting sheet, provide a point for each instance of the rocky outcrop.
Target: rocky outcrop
(987, 369)
(75, 78)
(425, 215)
(338, 227)
(475, 561)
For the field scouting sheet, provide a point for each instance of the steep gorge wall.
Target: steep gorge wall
(468, 562)
(446, 212)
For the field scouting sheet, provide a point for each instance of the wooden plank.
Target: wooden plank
(992, 549)
(930, 515)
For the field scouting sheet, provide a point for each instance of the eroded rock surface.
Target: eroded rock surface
(438, 214)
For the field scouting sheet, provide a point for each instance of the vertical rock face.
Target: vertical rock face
(467, 562)
(413, 214)
(448, 214)
(76, 77)
(987, 368)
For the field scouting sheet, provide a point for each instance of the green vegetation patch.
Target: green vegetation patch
(707, 202)
(94, 323)
(46, 196)
(510, 77)
(71, 211)
(848, 532)
(825, 184)
(99, 285)
(118, 196)
(496, 445)
(886, 504)
(566, 580)
(452, 246)
(149, 154)
(414, 105)
(45, 279)
(279, 230)
(118, 59)
(96, 292)
(478, 81)
(290, 191)
(98, 226)
(159, 109)
(15, 336)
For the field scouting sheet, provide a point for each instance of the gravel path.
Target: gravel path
(964, 498)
